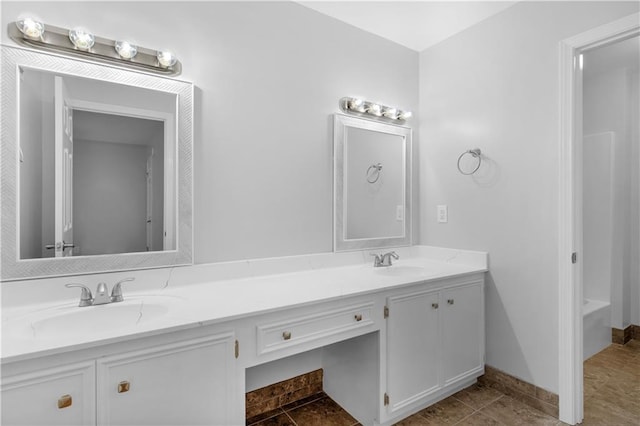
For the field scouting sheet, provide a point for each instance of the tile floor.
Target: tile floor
(612, 398)
(612, 386)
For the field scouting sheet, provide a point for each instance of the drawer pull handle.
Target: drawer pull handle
(65, 401)
(124, 387)
(450, 301)
(286, 335)
(434, 305)
(358, 317)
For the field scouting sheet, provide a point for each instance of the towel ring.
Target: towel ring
(475, 153)
(376, 173)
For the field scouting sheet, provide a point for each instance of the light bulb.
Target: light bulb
(81, 38)
(166, 59)
(390, 112)
(375, 109)
(356, 105)
(404, 115)
(30, 27)
(125, 49)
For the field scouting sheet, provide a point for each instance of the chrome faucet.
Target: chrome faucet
(384, 259)
(102, 293)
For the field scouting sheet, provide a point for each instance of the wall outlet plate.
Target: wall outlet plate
(443, 214)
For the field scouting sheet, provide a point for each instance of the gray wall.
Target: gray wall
(269, 76)
(110, 197)
(496, 86)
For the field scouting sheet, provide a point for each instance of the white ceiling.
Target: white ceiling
(414, 24)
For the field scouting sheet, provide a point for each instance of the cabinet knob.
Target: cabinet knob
(124, 386)
(286, 335)
(65, 401)
(450, 301)
(434, 305)
(358, 317)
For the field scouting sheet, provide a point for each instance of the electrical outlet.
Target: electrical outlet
(399, 213)
(443, 214)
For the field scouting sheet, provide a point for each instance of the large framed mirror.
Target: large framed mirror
(96, 167)
(372, 184)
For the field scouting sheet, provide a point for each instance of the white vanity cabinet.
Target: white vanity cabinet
(386, 352)
(462, 317)
(413, 348)
(187, 383)
(56, 396)
(435, 340)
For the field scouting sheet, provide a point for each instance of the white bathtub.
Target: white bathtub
(596, 323)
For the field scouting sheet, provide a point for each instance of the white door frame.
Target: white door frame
(570, 208)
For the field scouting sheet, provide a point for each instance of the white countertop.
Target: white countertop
(205, 300)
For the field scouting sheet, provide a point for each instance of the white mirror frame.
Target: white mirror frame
(14, 268)
(340, 124)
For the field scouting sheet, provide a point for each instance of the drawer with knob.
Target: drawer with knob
(303, 329)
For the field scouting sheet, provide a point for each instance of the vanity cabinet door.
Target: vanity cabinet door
(56, 396)
(462, 316)
(413, 349)
(188, 383)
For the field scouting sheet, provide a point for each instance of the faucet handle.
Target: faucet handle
(116, 291)
(86, 298)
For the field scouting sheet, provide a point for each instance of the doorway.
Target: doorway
(571, 238)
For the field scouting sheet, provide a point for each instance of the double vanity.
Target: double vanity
(182, 343)
(180, 350)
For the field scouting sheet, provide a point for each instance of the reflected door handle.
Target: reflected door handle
(59, 246)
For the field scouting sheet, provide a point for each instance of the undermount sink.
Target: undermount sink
(400, 270)
(74, 321)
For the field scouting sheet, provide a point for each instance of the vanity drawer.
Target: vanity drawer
(304, 329)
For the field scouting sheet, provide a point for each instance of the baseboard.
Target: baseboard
(635, 332)
(518, 389)
(622, 337)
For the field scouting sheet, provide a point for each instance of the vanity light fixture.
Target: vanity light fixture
(360, 106)
(81, 43)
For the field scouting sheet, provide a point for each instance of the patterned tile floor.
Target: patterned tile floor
(612, 398)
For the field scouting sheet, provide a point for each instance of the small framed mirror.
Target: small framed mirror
(372, 184)
(97, 167)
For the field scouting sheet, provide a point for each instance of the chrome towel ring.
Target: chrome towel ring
(475, 153)
(373, 173)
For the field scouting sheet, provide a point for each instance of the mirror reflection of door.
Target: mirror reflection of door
(97, 168)
(63, 154)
